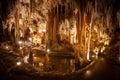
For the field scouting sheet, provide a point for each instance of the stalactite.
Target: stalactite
(57, 28)
(89, 23)
(31, 5)
(51, 27)
(47, 28)
(55, 25)
(60, 12)
(84, 36)
(14, 31)
(77, 25)
(80, 25)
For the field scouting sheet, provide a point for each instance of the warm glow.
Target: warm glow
(88, 73)
(48, 50)
(44, 30)
(30, 39)
(20, 48)
(40, 64)
(103, 48)
(40, 31)
(26, 59)
(19, 42)
(18, 63)
(6, 47)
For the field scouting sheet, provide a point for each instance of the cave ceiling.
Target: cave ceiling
(37, 11)
(43, 6)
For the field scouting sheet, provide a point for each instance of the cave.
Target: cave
(57, 37)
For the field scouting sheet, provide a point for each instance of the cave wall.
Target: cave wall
(6, 9)
(92, 16)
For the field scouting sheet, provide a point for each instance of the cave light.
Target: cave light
(39, 30)
(41, 64)
(20, 48)
(48, 50)
(6, 47)
(102, 49)
(19, 42)
(18, 63)
(44, 30)
(25, 59)
(88, 73)
(30, 39)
